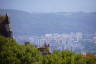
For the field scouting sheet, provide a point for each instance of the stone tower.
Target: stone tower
(5, 29)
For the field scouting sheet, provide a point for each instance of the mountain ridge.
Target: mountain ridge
(42, 23)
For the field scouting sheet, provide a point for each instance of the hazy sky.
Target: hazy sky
(50, 5)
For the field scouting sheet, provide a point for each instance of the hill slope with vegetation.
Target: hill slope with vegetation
(13, 53)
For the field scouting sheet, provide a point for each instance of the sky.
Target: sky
(50, 5)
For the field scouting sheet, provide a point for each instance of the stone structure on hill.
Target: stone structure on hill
(5, 29)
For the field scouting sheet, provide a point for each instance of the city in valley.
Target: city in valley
(78, 41)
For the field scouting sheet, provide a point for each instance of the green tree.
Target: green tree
(7, 54)
(13, 53)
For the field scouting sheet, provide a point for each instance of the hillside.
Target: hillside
(13, 53)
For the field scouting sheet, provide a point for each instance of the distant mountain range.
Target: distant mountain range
(60, 22)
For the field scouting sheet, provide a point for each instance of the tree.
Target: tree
(13, 53)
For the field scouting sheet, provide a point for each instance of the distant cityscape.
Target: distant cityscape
(66, 41)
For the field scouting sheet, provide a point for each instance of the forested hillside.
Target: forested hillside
(13, 53)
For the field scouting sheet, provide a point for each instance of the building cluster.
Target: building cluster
(70, 41)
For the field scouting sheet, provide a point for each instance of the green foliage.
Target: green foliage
(14, 53)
